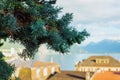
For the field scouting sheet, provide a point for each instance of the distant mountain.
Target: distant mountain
(105, 46)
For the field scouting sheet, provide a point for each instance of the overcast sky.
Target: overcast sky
(101, 18)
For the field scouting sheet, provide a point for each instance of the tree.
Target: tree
(6, 69)
(34, 22)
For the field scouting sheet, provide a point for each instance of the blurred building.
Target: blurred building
(34, 70)
(97, 64)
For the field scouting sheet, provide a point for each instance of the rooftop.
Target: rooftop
(107, 76)
(44, 64)
(100, 61)
(68, 75)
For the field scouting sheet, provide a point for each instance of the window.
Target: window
(45, 72)
(106, 61)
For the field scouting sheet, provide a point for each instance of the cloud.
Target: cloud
(101, 31)
(91, 10)
(99, 17)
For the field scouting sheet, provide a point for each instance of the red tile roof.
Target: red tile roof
(107, 76)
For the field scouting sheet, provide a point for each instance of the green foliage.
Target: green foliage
(6, 69)
(8, 22)
(34, 22)
(38, 29)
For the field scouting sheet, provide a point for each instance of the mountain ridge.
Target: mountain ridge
(104, 46)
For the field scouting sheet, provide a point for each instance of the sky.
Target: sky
(101, 18)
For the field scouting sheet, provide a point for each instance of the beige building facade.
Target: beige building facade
(38, 70)
(97, 64)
